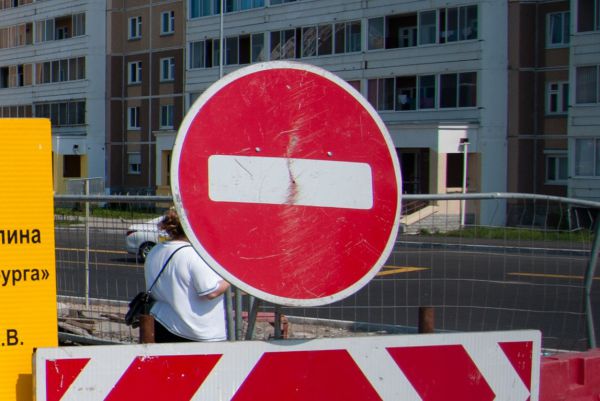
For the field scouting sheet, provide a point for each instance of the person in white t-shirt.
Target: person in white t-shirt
(188, 294)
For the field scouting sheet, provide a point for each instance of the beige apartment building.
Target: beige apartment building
(539, 41)
(145, 80)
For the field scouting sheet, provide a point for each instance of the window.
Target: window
(316, 40)
(587, 157)
(79, 24)
(258, 47)
(68, 113)
(557, 167)
(558, 29)
(458, 90)
(381, 93)
(167, 22)
(457, 24)
(201, 54)
(135, 27)
(44, 30)
(231, 51)
(166, 116)
(427, 27)
(167, 69)
(347, 37)
(557, 98)
(242, 49)
(586, 89)
(426, 85)
(406, 93)
(309, 41)
(201, 8)
(133, 118)
(588, 15)
(283, 44)
(71, 166)
(60, 28)
(134, 163)
(60, 70)
(375, 33)
(134, 75)
(421, 92)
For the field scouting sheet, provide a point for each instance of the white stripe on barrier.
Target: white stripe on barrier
(88, 385)
(228, 375)
(381, 370)
(497, 370)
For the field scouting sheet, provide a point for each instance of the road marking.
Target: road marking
(550, 275)
(397, 270)
(101, 264)
(91, 250)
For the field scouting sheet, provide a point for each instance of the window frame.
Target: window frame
(559, 156)
(565, 18)
(167, 69)
(131, 162)
(134, 72)
(167, 22)
(166, 116)
(133, 118)
(594, 165)
(579, 85)
(562, 90)
(134, 28)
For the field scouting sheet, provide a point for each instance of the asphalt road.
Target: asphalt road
(472, 287)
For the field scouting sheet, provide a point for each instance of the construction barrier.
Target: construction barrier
(502, 366)
(571, 377)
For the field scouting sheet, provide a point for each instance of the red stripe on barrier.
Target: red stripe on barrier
(439, 371)
(173, 377)
(306, 376)
(60, 374)
(520, 355)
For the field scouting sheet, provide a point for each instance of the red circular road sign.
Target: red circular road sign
(287, 183)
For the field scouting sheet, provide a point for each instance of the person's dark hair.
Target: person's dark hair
(171, 224)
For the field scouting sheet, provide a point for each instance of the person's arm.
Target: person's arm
(221, 288)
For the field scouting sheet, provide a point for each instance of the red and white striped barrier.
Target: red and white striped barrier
(498, 366)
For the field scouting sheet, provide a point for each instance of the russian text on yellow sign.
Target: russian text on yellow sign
(27, 266)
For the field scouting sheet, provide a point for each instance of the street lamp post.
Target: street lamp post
(465, 145)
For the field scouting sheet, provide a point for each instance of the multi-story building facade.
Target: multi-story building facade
(511, 84)
(435, 71)
(52, 58)
(145, 59)
(538, 96)
(584, 114)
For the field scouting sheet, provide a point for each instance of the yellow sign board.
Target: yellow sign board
(28, 316)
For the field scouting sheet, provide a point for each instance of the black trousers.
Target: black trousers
(163, 335)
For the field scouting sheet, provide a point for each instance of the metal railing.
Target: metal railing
(520, 261)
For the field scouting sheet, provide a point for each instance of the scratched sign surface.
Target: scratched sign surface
(287, 183)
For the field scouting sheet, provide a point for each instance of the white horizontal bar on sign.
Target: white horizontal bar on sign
(287, 181)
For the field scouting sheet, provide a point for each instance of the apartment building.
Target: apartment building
(584, 113)
(145, 89)
(52, 57)
(436, 71)
(510, 84)
(538, 70)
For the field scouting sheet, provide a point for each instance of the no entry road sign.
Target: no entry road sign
(287, 183)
